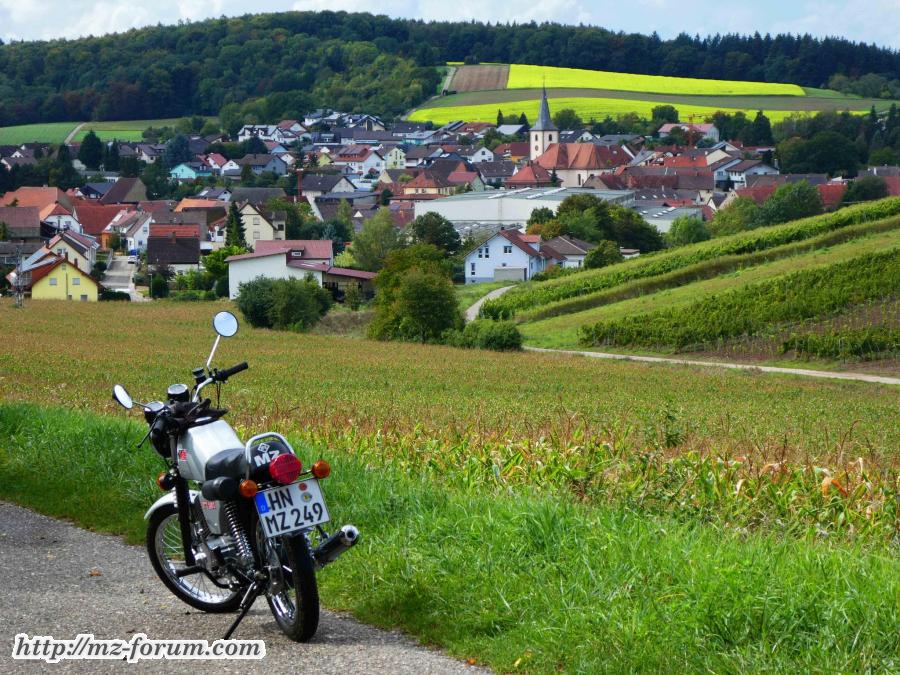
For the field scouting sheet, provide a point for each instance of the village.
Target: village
(485, 179)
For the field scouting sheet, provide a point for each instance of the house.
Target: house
(260, 164)
(93, 190)
(175, 246)
(23, 223)
(476, 155)
(125, 191)
(62, 280)
(510, 256)
(572, 249)
(698, 131)
(256, 195)
(738, 173)
(394, 158)
(138, 233)
(530, 175)
(511, 129)
(576, 136)
(427, 185)
(271, 259)
(148, 153)
(189, 171)
(265, 132)
(496, 173)
(95, 217)
(261, 224)
(80, 250)
(361, 160)
(218, 193)
(214, 161)
(317, 184)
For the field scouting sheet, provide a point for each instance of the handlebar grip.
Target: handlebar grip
(223, 375)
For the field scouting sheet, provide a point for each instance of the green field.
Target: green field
(469, 294)
(534, 77)
(56, 132)
(596, 94)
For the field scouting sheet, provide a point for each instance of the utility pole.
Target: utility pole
(19, 281)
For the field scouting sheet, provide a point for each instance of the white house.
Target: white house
(509, 255)
(738, 173)
(477, 155)
(137, 235)
(573, 250)
(278, 260)
(261, 225)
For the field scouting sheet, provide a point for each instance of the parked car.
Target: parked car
(132, 260)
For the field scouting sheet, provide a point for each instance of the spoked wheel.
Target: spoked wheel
(293, 594)
(167, 557)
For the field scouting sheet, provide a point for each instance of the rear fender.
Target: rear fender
(168, 498)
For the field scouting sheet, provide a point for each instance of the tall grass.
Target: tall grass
(522, 581)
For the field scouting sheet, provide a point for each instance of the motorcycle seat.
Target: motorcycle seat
(230, 463)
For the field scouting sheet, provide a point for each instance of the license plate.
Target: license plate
(294, 507)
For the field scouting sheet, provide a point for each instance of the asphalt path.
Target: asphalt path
(62, 581)
(472, 311)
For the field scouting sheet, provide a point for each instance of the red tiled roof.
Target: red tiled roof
(319, 249)
(165, 230)
(530, 175)
(582, 157)
(515, 149)
(190, 203)
(40, 272)
(95, 217)
(831, 193)
(328, 269)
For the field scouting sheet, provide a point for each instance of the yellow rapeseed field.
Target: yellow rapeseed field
(530, 77)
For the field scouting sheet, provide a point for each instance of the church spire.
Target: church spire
(544, 122)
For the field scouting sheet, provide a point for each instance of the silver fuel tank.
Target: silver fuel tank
(199, 444)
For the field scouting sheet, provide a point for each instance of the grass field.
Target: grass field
(485, 88)
(56, 132)
(534, 77)
(469, 294)
(562, 331)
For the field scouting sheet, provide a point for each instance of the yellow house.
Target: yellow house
(77, 248)
(63, 281)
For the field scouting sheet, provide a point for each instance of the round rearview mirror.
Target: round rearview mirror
(225, 323)
(122, 397)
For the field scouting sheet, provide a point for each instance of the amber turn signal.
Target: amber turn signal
(165, 481)
(248, 489)
(321, 469)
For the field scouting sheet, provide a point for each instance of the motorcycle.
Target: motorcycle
(238, 520)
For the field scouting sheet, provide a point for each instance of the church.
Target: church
(573, 163)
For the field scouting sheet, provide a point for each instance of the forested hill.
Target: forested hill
(295, 61)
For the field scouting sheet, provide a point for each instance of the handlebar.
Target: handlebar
(223, 375)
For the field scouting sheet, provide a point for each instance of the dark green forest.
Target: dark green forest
(282, 65)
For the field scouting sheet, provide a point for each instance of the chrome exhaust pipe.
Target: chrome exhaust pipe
(331, 549)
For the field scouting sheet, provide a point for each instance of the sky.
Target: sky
(869, 21)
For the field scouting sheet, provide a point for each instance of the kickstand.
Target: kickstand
(250, 596)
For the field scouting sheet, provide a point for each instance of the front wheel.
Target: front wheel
(293, 593)
(166, 553)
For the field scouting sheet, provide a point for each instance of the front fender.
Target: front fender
(168, 498)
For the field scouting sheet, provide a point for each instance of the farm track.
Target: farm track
(62, 581)
(859, 377)
(73, 133)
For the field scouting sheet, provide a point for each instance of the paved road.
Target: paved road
(472, 312)
(48, 589)
(119, 277)
(859, 377)
(72, 133)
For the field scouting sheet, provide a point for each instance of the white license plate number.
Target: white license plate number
(291, 508)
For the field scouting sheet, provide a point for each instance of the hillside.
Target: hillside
(670, 287)
(270, 66)
(514, 89)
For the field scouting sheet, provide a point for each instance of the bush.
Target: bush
(867, 344)
(139, 279)
(222, 287)
(353, 297)
(192, 295)
(553, 272)
(119, 296)
(486, 334)
(159, 287)
(290, 304)
(605, 253)
(687, 230)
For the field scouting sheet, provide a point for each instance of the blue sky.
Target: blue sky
(869, 21)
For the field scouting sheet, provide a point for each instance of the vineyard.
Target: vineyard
(747, 311)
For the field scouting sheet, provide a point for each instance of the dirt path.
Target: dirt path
(73, 133)
(859, 377)
(472, 311)
(60, 581)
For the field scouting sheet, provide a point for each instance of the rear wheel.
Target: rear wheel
(167, 557)
(293, 593)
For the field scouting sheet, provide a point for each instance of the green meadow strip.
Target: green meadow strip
(521, 581)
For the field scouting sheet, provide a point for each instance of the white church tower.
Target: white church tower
(544, 132)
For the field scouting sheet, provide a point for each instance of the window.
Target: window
(487, 252)
(76, 281)
(480, 255)
(53, 281)
(61, 250)
(472, 269)
(507, 249)
(84, 298)
(256, 234)
(550, 138)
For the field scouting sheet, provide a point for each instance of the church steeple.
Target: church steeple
(544, 132)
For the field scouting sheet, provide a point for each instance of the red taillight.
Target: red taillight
(285, 468)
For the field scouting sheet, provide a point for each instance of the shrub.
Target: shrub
(687, 230)
(486, 334)
(159, 287)
(120, 296)
(190, 295)
(222, 287)
(606, 253)
(254, 300)
(553, 272)
(353, 297)
(867, 344)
